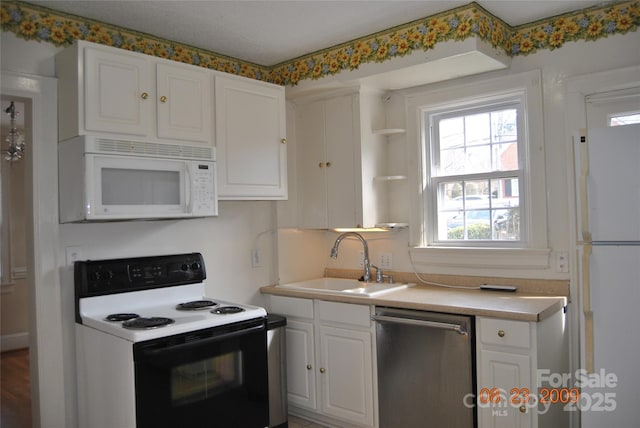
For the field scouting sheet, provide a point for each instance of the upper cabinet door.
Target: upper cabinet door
(250, 139)
(119, 96)
(344, 175)
(183, 101)
(311, 158)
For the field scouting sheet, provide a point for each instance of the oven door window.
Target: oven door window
(204, 379)
(201, 380)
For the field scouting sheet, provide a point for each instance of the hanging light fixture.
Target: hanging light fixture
(15, 151)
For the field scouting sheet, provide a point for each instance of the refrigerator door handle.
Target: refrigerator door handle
(588, 313)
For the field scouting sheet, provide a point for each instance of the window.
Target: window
(624, 119)
(475, 172)
(479, 173)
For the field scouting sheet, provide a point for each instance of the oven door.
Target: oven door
(209, 378)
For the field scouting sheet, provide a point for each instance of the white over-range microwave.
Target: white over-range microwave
(103, 179)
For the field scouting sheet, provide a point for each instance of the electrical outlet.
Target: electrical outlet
(256, 258)
(562, 261)
(73, 253)
(386, 261)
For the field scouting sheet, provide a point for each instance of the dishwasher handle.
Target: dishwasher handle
(422, 323)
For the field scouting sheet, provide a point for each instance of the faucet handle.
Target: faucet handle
(379, 274)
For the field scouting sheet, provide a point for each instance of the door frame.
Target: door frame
(50, 387)
(578, 88)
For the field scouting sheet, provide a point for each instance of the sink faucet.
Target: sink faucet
(367, 265)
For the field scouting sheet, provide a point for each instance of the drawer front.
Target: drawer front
(344, 313)
(291, 306)
(494, 331)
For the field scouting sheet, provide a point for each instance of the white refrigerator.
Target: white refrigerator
(608, 200)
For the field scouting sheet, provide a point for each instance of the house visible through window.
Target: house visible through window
(475, 173)
(479, 174)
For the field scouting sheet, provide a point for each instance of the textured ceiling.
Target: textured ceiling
(269, 32)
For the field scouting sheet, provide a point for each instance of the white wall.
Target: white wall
(225, 241)
(557, 67)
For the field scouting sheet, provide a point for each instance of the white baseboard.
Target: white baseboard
(10, 342)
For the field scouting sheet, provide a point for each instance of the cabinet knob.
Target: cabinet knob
(309, 367)
(163, 99)
(501, 333)
(328, 164)
(144, 95)
(283, 141)
(320, 165)
(523, 409)
(322, 370)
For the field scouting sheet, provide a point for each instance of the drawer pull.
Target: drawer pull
(501, 333)
(309, 367)
(322, 370)
(523, 409)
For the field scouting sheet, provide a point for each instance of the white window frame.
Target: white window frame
(532, 251)
(455, 109)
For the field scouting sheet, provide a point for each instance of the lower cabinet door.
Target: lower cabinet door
(301, 385)
(504, 381)
(345, 374)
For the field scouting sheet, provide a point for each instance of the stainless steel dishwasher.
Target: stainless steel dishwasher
(426, 369)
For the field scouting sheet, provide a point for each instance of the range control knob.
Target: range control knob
(195, 266)
(184, 267)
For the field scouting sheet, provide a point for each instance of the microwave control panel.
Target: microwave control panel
(203, 189)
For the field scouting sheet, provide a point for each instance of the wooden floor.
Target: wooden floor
(16, 391)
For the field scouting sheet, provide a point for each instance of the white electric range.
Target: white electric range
(154, 351)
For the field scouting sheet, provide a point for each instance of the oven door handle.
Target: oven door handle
(150, 354)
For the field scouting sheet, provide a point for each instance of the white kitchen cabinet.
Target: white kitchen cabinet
(107, 91)
(301, 379)
(338, 157)
(250, 139)
(346, 374)
(329, 360)
(509, 355)
(184, 102)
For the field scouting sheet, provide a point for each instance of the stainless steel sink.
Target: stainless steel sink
(345, 287)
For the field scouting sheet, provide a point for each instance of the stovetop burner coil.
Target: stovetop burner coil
(147, 323)
(196, 305)
(227, 310)
(121, 317)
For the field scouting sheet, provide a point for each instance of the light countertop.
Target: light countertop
(499, 304)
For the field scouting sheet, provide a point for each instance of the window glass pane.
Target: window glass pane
(477, 129)
(479, 210)
(451, 133)
(624, 119)
(477, 143)
(504, 126)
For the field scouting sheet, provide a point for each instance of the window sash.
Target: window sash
(434, 177)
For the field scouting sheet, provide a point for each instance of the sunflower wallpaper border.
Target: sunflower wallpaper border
(31, 22)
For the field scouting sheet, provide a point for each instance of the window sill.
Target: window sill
(504, 258)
